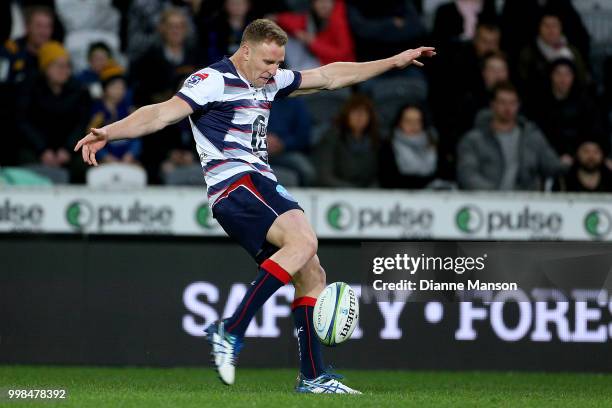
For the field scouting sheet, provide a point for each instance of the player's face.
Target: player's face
(263, 61)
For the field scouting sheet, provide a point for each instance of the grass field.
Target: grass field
(191, 387)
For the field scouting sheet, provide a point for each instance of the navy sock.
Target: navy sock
(311, 357)
(271, 277)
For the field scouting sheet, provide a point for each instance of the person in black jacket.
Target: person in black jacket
(156, 76)
(566, 110)
(53, 110)
(589, 173)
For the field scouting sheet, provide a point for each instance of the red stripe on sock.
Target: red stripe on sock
(246, 306)
(303, 301)
(276, 270)
(314, 371)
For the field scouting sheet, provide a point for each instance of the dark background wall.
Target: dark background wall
(120, 301)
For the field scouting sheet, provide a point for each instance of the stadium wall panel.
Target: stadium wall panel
(131, 300)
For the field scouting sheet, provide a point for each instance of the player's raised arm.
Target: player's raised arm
(342, 74)
(143, 121)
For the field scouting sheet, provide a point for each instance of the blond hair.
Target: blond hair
(263, 30)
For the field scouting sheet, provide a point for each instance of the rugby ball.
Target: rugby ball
(336, 314)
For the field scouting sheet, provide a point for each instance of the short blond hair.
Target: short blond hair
(263, 30)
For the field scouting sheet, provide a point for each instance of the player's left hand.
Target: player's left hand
(409, 57)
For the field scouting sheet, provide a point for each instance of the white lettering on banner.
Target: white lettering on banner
(391, 312)
(588, 325)
(551, 306)
(199, 308)
(497, 315)
(586, 315)
(468, 312)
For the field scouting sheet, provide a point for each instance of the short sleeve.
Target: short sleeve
(202, 88)
(287, 81)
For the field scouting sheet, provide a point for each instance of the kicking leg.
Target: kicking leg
(290, 232)
(298, 244)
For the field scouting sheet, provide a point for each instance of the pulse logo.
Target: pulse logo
(79, 214)
(598, 223)
(469, 219)
(204, 217)
(340, 216)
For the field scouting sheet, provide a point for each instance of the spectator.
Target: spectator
(318, 37)
(21, 55)
(383, 27)
(53, 111)
(143, 26)
(221, 34)
(527, 15)
(456, 21)
(113, 107)
(86, 22)
(288, 138)
(467, 59)
(178, 151)
(457, 94)
(19, 63)
(493, 70)
(156, 76)
(504, 151)
(99, 56)
(409, 159)
(534, 60)
(589, 173)
(566, 109)
(161, 70)
(347, 155)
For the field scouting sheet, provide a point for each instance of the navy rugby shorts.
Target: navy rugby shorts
(247, 209)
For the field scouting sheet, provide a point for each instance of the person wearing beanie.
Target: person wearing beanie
(53, 110)
(113, 106)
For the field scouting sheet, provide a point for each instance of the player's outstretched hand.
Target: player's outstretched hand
(410, 56)
(91, 144)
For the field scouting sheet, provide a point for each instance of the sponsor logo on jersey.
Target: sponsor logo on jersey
(194, 79)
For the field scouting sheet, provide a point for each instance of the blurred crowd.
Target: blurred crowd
(519, 96)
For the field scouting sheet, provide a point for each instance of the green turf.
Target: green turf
(191, 387)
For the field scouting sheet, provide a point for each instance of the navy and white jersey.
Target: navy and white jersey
(229, 121)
